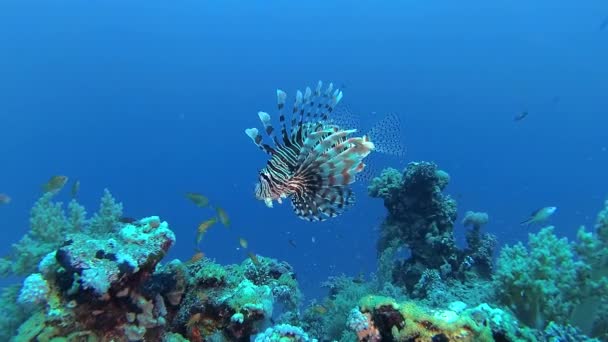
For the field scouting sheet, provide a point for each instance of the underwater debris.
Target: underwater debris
(313, 162)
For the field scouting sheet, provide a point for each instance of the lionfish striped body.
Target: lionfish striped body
(313, 162)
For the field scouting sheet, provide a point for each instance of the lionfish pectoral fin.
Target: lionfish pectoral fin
(268, 202)
(326, 203)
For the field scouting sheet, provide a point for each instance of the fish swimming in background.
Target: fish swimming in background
(127, 220)
(5, 199)
(198, 255)
(243, 243)
(254, 259)
(198, 199)
(223, 216)
(55, 183)
(75, 188)
(314, 162)
(521, 116)
(203, 227)
(539, 216)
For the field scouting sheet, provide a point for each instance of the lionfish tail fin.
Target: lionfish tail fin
(388, 136)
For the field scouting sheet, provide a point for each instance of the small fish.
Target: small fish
(194, 319)
(196, 257)
(223, 216)
(203, 227)
(5, 199)
(55, 183)
(521, 116)
(75, 188)
(539, 216)
(243, 243)
(254, 259)
(127, 220)
(319, 309)
(198, 199)
(313, 239)
(292, 243)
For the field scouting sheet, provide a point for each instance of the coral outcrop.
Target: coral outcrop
(421, 221)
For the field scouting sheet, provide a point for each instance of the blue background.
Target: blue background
(150, 99)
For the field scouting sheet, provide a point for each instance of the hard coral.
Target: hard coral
(420, 218)
(408, 322)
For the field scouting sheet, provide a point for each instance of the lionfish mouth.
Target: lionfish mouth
(314, 162)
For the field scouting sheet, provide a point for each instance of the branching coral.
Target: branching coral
(49, 225)
(542, 282)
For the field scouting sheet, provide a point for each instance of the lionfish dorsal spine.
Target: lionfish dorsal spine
(297, 109)
(268, 128)
(281, 98)
(255, 135)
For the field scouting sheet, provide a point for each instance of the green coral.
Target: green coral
(106, 219)
(542, 282)
(556, 280)
(592, 248)
(48, 228)
(390, 180)
(11, 315)
(49, 225)
(208, 273)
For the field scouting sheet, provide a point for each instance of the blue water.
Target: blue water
(150, 99)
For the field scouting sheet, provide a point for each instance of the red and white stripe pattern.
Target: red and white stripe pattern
(314, 162)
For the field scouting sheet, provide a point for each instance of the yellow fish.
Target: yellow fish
(223, 216)
(243, 242)
(55, 183)
(203, 227)
(319, 309)
(196, 257)
(198, 199)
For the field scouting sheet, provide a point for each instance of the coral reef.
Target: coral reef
(383, 319)
(104, 281)
(421, 220)
(555, 280)
(49, 225)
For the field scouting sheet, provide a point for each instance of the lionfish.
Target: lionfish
(314, 162)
